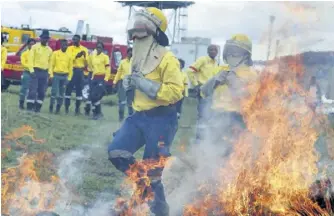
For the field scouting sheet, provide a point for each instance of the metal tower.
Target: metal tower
(175, 11)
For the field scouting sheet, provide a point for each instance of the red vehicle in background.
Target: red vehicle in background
(13, 69)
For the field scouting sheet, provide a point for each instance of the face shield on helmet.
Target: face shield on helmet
(142, 24)
(235, 56)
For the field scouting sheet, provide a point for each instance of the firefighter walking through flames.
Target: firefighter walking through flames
(228, 88)
(158, 84)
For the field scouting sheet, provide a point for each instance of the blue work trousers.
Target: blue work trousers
(154, 130)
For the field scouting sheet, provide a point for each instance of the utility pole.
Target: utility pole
(271, 19)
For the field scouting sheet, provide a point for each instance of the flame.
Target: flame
(139, 176)
(31, 186)
(273, 164)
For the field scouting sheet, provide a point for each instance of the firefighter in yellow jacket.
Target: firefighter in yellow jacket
(124, 97)
(61, 72)
(39, 63)
(199, 73)
(25, 78)
(3, 58)
(158, 83)
(100, 66)
(80, 55)
(228, 88)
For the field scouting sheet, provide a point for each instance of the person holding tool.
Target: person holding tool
(158, 83)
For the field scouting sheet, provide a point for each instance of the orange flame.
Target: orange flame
(139, 177)
(273, 164)
(25, 190)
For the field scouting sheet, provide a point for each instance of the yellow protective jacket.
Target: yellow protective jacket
(202, 70)
(25, 60)
(185, 84)
(222, 100)
(61, 62)
(123, 70)
(168, 73)
(39, 57)
(100, 65)
(78, 62)
(3, 57)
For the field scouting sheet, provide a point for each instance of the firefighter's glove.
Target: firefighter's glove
(147, 86)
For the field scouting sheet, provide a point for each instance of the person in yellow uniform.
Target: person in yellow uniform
(158, 83)
(124, 97)
(185, 93)
(80, 55)
(3, 58)
(61, 71)
(100, 65)
(228, 88)
(25, 78)
(39, 63)
(200, 72)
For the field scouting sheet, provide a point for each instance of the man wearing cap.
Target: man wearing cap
(124, 97)
(25, 78)
(158, 83)
(39, 63)
(200, 72)
(80, 55)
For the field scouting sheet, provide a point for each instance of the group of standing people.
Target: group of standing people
(65, 68)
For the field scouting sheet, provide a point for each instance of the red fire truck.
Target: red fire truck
(14, 69)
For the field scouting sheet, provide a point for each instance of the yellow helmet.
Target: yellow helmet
(240, 40)
(160, 15)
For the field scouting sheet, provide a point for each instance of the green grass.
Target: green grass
(63, 133)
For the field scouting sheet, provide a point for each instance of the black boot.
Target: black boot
(97, 112)
(51, 109)
(87, 109)
(31, 106)
(38, 107)
(77, 107)
(58, 109)
(21, 105)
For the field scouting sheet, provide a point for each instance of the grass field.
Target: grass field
(69, 137)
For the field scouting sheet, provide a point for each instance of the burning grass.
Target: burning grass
(31, 186)
(278, 178)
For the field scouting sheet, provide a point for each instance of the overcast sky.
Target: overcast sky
(300, 26)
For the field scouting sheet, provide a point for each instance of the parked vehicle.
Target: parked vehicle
(14, 69)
